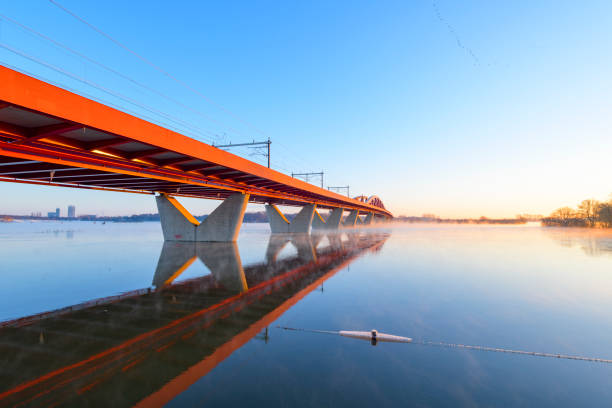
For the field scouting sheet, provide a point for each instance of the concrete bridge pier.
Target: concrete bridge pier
(332, 223)
(222, 225)
(334, 219)
(351, 219)
(300, 225)
(369, 219)
(378, 219)
(318, 223)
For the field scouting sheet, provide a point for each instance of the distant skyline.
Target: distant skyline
(461, 109)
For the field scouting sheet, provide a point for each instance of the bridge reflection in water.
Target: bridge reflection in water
(147, 346)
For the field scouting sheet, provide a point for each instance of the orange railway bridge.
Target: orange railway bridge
(50, 136)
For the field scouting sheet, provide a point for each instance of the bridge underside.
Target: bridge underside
(41, 149)
(25, 170)
(49, 136)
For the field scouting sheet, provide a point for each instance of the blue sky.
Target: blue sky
(457, 108)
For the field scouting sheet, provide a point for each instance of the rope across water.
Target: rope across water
(510, 351)
(472, 347)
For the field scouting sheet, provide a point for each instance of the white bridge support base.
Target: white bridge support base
(222, 225)
(332, 223)
(300, 224)
(351, 219)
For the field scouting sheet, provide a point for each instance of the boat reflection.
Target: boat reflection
(147, 346)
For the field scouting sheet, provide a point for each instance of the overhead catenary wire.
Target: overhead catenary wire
(210, 135)
(115, 72)
(170, 76)
(103, 89)
(87, 95)
(155, 66)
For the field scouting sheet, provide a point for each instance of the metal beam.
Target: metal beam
(144, 153)
(172, 162)
(101, 144)
(14, 131)
(50, 131)
(32, 95)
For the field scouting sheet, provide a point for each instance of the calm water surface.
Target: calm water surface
(109, 315)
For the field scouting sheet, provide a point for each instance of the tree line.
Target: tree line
(590, 213)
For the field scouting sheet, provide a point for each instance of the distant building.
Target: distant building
(71, 211)
(54, 214)
(57, 213)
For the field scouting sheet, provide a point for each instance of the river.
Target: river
(108, 315)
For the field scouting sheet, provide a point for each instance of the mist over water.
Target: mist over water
(516, 287)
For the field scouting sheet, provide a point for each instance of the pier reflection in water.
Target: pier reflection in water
(147, 346)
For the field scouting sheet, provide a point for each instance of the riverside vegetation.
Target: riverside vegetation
(590, 213)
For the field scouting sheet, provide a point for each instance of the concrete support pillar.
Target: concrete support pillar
(332, 223)
(222, 225)
(369, 219)
(318, 223)
(301, 222)
(334, 219)
(176, 222)
(351, 219)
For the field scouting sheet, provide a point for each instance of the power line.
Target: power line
(148, 62)
(291, 152)
(252, 144)
(87, 95)
(307, 176)
(338, 188)
(109, 69)
(156, 67)
(99, 87)
(161, 70)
